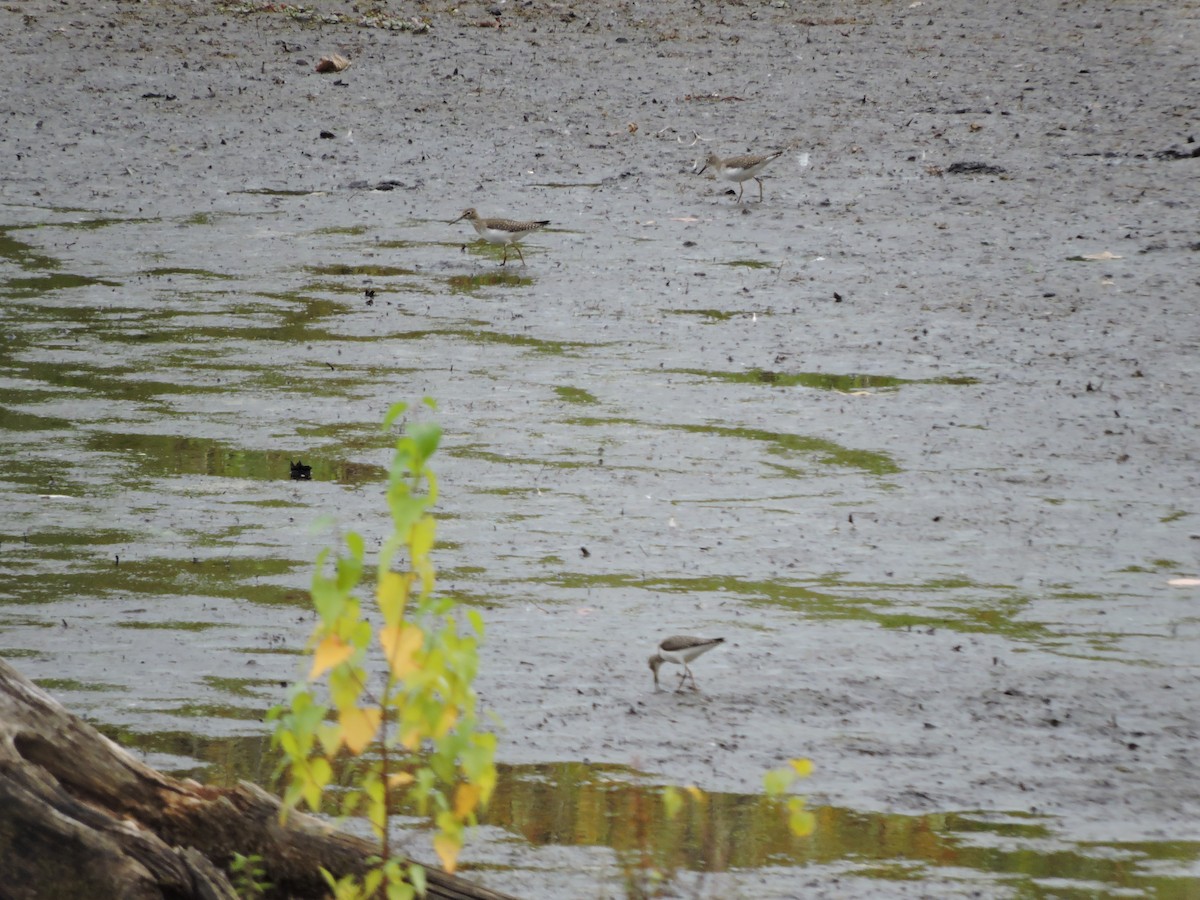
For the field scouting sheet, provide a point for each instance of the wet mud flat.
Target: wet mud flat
(916, 434)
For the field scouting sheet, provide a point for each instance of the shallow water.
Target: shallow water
(929, 476)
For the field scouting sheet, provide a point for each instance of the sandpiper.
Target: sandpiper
(742, 168)
(501, 231)
(681, 649)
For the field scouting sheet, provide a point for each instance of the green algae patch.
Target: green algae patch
(477, 451)
(485, 336)
(23, 255)
(70, 684)
(370, 271)
(574, 395)
(749, 264)
(36, 285)
(166, 272)
(469, 284)
(711, 315)
(17, 421)
(95, 224)
(825, 381)
(178, 625)
(827, 452)
(354, 230)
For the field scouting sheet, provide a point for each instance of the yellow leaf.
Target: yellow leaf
(466, 796)
(332, 651)
(421, 541)
(399, 779)
(803, 767)
(330, 737)
(447, 848)
(392, 595)
(697, 794)
(359, 727)
(427, 575)
(411, 738)
(400, 645)
(446, 722)
(312, 795)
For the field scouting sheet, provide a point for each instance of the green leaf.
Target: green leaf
(329, 879)
(426, 436)
(349, 568)
(288, 744)
(777, 781)
(432, 484)
(322, 772)
(395, 411)
(371, 882)
(416, 875)
(346, 686)
(293, 793)
(476, 621)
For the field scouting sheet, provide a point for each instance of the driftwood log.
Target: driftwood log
(81, 817)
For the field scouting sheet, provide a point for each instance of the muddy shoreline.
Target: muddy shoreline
(920, 441)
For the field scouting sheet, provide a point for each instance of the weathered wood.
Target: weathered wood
(81, 817)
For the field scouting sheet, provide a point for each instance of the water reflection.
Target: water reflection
(574, 804)
(165, 455)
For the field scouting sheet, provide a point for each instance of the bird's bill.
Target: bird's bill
(700, 171)
(459, 219)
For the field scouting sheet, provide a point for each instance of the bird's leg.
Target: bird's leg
(505, 260)
(760, 194)
(687, 673)
(741, 187)
(517, 247)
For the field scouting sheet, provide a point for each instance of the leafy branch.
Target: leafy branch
(416, 731)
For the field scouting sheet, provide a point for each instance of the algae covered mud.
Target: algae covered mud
(916, 434)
